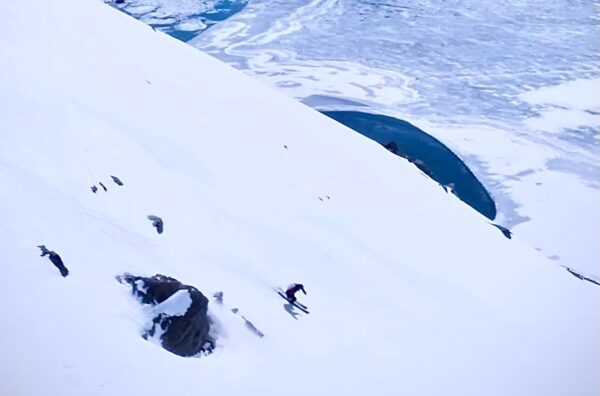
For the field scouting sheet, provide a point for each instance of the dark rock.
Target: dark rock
(185, 335)
(218, 297)
(103, 186)
(448, 188)
(117, 180)
(392, 147)
(55, 259)
(156, 223)
(580, 276)
(94, 189)
(505, 231)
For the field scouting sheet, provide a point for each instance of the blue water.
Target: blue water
(218, 11)
(432, 156)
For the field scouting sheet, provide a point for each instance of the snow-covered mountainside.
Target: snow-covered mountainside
(464, 71)
(410, 291)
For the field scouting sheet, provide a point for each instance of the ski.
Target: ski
(296, 304)
(282, 294)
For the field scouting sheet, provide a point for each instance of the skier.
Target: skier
(292, 290)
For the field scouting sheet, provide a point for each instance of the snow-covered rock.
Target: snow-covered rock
(179, 313)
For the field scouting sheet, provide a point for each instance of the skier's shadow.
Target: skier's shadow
(290, 309)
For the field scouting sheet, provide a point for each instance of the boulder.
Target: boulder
(392, 147)
(117, 181)
(180, 313)
(55, 259)
(156, 223)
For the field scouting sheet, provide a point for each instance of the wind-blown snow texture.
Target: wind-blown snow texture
(463, 71)
(410, 290)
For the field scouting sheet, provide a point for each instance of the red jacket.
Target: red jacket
(293, 289)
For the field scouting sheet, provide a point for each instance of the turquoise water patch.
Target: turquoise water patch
(182, 23)
(426, 152)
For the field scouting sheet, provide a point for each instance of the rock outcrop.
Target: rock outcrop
(392, 147)
(117, 181)
(55, 259)
(181, 320)
(156, 223)
(582, 277)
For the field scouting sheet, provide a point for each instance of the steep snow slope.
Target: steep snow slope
(465, 72)
(411, 291)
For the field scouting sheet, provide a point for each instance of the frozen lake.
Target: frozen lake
(182, 19)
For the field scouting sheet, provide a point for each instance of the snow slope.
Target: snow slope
(411, 291)
(463, 71)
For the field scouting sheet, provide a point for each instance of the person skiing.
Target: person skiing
(292, 290)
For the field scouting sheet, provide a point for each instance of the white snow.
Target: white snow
(577, 94)
(176, 305)
(511, 87)
(191, 25)
(141, 286)
(410, 291)
(171, 7)
(566, 106)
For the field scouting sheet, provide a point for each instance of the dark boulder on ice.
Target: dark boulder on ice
(392, 147)
(156, 223)
(181, 320)
(55, 259)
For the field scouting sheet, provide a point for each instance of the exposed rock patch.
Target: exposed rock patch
(180, 313)
(582, 277)
(117, 181)
(156, 223)
(55, 259)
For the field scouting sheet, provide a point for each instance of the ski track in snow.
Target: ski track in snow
(475, 101)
